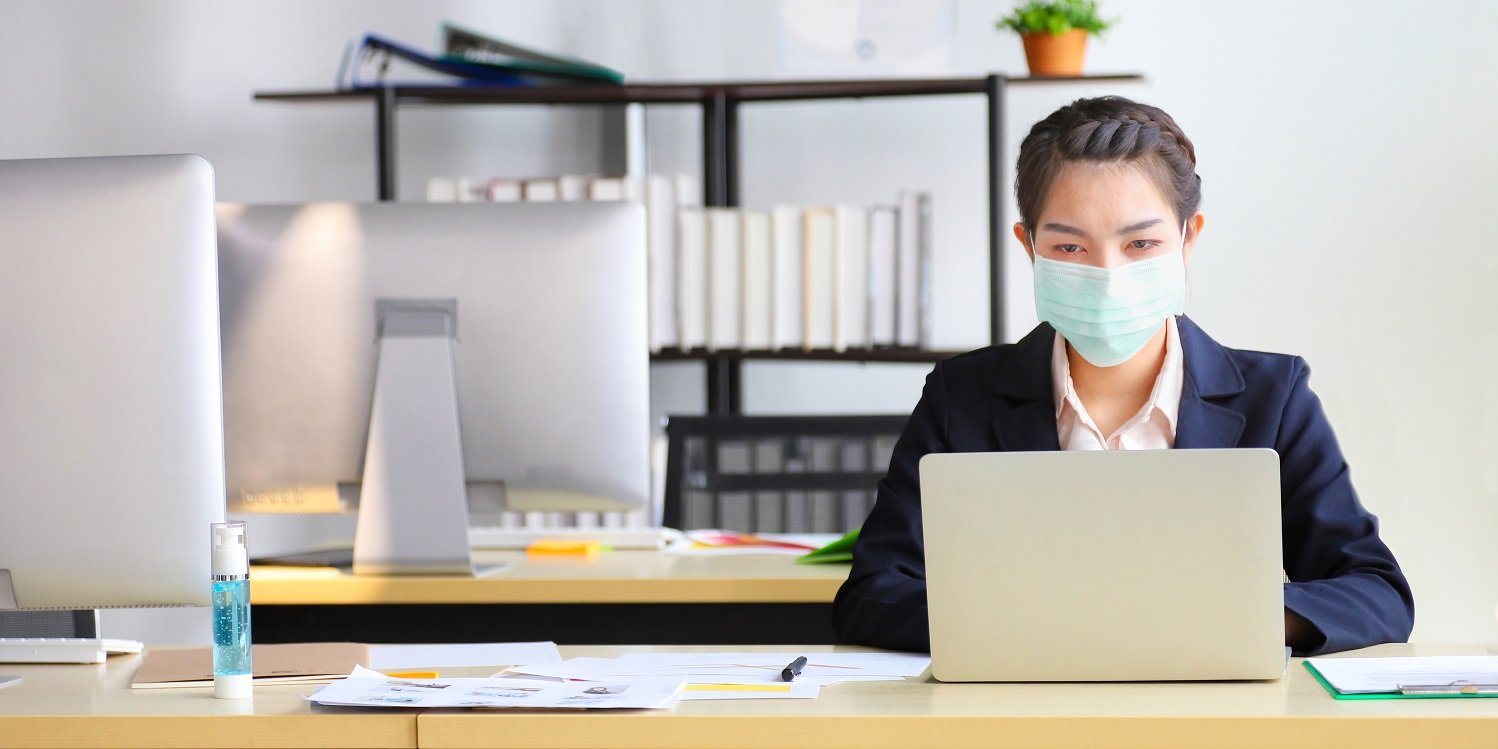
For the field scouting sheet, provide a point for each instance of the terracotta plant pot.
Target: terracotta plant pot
(1056, 54)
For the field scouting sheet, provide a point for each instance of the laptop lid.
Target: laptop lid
(1139, 565)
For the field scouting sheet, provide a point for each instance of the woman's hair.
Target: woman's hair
(1108, 129)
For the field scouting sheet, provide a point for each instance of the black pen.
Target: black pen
(789, 673)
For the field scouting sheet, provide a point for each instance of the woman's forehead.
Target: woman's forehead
(1112, 194)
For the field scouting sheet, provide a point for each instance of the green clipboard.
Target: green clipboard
(840, 550)
(1386, 695)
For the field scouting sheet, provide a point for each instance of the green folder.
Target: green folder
(1383, 695)
(840, 550)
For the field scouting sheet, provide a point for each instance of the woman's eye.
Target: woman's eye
(1143, 244)
(1068, 249)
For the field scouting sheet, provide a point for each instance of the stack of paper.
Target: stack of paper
(1427, 676)
(365, 688)
(739, 675)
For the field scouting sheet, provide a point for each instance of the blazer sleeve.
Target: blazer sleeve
(1344, 580)
(883, 601)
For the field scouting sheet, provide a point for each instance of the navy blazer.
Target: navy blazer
(1344, 580)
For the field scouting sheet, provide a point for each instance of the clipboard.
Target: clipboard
(1455, 688)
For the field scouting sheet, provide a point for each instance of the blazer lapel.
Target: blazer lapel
(1027, 413)
(1210, 373)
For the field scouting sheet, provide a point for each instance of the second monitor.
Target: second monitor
(392, 354)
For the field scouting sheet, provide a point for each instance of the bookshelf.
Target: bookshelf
(720, 103)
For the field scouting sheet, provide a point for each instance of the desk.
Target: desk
(1287, 714)
(94, 706)
(70, 706)
(620, 597)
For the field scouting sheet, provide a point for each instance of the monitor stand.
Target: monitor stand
(413, 505)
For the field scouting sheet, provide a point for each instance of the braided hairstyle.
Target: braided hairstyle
(1108, 129)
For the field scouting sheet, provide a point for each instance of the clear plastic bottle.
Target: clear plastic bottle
(232, 670)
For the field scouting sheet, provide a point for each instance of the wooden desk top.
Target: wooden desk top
(62, 705)
(71, 706)
(628, 576)
(1292, 712)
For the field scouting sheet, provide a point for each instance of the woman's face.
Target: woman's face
(1106, 215)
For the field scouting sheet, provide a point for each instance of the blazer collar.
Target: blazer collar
(1024, 381)
(1210, 374)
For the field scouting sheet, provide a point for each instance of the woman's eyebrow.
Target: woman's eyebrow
(1142, 225)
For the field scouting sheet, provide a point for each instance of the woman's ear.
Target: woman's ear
(1193, 232)
(1024, 239)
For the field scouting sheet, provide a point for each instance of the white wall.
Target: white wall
(1345, 151)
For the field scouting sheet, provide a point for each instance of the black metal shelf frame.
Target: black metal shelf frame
(720, 160)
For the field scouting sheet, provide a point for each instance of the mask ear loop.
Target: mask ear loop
(1185, 269)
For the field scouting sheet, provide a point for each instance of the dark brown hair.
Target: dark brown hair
(1108, 129)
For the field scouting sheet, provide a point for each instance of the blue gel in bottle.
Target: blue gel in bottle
(232, 669)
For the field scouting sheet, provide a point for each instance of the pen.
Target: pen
(789, 673)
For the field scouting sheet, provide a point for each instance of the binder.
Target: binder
(786, 243)
(691, 280)
(725, 269)
(469, 47)
(368, 64)
(851, 272)
(818, 282)
(758, 282)
(660, 232)
(883, 228)
(1429, 677)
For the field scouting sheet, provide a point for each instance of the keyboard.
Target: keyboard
(494, 537)
(63, 649)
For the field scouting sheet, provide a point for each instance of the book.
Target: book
(725, 269)
(691, 278)
(660, 234)
(541, 190)
(500, 190)
(914, 269)
(473, 48)
(758, 293)
(850, 327)
(785, 238)
(883, 227)
(377, 61)
(818, 281)
(572, 187)
(303, 663)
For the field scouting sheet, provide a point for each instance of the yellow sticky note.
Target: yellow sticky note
(738, 687)
(564, 546)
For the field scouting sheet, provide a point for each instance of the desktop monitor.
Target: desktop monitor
(400, 357)
(111, 433)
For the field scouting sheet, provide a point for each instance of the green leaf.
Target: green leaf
(1054, 17)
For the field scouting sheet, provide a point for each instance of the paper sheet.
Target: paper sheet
(398, 657)
(1380, 675)
(713, 543)
(366, 688)
(747, 668)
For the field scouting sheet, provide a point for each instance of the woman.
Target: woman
(1108, 197)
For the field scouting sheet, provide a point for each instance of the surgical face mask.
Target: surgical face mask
(1108, 314)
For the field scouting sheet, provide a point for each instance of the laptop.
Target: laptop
(1145, 565)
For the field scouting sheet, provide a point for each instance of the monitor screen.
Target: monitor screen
(111, 439)
(506, 342)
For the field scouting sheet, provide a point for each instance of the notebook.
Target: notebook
(1145, 565)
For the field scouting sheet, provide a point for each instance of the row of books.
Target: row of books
(844, 277)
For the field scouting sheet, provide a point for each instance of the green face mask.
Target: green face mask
(1108, 314)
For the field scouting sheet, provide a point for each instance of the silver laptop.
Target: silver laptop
(1146, 565)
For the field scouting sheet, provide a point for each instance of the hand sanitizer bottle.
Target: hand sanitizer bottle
(232, 672)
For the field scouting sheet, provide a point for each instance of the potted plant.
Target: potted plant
(1055, 33)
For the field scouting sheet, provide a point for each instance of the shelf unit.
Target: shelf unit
(720, 103)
